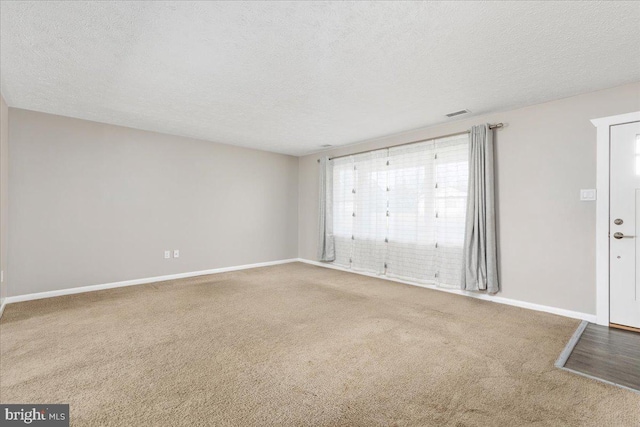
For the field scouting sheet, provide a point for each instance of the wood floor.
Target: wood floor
(609, 354)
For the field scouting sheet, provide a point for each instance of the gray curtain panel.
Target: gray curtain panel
(326, 247)
(480, 260)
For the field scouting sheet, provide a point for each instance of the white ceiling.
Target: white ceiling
(291, 76)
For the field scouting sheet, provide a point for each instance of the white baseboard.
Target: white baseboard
(4, 303)
(523, 304)
(502, 300)
(91, 288)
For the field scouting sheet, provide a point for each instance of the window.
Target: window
(401, 211)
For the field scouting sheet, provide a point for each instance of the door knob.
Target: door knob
(619, 235)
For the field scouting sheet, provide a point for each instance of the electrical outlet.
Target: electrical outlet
(167, 254)
(588, 195)
(176, 253)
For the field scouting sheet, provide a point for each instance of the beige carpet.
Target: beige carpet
(297, 345)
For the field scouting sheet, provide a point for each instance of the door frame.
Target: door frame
(603, 126)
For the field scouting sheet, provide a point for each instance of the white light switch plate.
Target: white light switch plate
(588, 195)
(167, 254)
(176, 253)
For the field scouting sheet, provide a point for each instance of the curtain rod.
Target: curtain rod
(496, 126)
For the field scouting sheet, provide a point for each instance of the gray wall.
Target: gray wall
(545, 155)
(94, 203)
(4, 193)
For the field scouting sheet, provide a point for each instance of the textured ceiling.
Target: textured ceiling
(291, 76)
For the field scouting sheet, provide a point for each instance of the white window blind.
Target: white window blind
(401, 211)
(343, 209)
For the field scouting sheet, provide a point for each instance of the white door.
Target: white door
(624, 226)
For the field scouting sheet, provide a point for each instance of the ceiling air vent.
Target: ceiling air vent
(457, 113)
(326, 145)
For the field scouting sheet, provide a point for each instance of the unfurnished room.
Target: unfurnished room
(320, 213)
